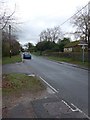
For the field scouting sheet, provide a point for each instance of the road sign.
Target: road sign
(83, 44)
(83, 47)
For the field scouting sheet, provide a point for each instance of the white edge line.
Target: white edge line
(49, 85)
(77, 109)
(80, 111)
(69, 106)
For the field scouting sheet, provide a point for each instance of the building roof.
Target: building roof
(72, 44)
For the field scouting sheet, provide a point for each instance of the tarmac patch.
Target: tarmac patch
(54, 108)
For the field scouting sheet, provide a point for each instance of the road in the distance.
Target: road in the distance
(71, 82)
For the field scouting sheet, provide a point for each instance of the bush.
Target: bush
(73, 55)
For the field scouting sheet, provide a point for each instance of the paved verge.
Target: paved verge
(49, 107)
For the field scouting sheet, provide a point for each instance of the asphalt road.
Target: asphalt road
(70, 82)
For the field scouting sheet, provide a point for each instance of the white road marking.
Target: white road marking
(49, 85)
(69, 106)
(76, 109)
(33, 75)
(81, 111)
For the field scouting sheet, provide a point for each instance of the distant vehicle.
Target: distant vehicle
(26, 55)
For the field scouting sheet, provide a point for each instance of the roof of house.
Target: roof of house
(72, 44)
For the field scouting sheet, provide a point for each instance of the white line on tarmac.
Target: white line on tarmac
(76, 109)
(80, 111)
(49, 85)
(69, 106)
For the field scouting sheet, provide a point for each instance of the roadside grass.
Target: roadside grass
(13, 59)
(36, 53)
(69, 60)
(0, 61)
(17, 83)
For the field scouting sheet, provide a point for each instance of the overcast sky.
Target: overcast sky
(38, 15)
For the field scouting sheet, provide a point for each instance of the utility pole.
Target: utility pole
(0, 43)
(89, 26)
(88, 58)
(10, 39)
(1, 72)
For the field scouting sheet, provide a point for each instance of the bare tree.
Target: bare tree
(43, 35)
(80, 21)
(56, 33)
(51, 34)
(5, 17)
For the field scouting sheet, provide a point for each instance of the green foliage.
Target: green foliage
(30, 47)
(52, 46)
(9, 44)
(13, 59)
(5, 48)
(46, 45)
(69, 60)
(72, 44)
(14, 83)
(75, 56)
(22, 49)
(62, 43)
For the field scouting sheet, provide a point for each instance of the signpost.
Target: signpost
(83, 48)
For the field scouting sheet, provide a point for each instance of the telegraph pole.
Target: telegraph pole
(1, 44)
(89, 26)
(89, 34)
(89, 59)
(10, 39)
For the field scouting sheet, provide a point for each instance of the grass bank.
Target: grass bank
(13, 59)
(15, 83)
(69, 60)
(63, 59)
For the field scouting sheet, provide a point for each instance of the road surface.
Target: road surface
(71, 82)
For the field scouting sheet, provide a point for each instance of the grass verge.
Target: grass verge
(69, 60)
(13, 59)
(36, 53)
(0, 61)
(15, 83)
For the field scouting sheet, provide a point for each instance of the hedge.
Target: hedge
(73, 55)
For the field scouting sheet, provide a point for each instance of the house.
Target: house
(74, 47)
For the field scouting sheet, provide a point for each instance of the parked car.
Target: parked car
(26, 55)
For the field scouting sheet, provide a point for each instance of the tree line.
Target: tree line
(8, 44)
(47, 45)
(51, 34)
(51, 39)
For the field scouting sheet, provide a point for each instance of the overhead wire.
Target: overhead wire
(73, 15)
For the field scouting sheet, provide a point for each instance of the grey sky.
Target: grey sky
(38, 15)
